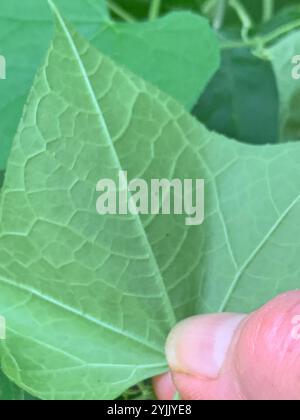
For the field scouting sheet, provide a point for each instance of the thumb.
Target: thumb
(234, 357)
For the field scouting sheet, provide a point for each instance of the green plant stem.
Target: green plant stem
(281, 31)
(268, 10)
(262, 40)
(244, 17)
(119, 11)
(154, 9)
(221, 6)
(207, 7)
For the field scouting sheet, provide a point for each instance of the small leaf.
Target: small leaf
(281, 55)
(242, 100)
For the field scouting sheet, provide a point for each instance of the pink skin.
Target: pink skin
(234, 357)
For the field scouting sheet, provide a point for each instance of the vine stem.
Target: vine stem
(120, 12)
(220, 14)
(244, 17)
(268, 10)
(262, 40)
(154, 10)
(282, 31)
(207, 7)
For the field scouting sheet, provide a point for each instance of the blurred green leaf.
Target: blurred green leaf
(179, 53)
(281, 55)
(241, 101)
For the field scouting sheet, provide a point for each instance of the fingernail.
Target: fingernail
(198, 346)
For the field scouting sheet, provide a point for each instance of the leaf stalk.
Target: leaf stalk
(154, 10)
(244, 17)
(220, 14)
(120, 12)
(262, 41)
(268, 10)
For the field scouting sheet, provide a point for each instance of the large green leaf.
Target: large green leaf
(178, 53)
(25, 33)
(281, 55)
(90, 299)
(241, 101)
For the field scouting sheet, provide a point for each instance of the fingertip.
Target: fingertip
(198, 346)
(234, 357)
(164, 387)
(267, 354)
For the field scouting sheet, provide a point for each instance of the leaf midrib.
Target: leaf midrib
(166, 298)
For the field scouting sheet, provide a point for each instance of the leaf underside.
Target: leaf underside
(89, 300)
